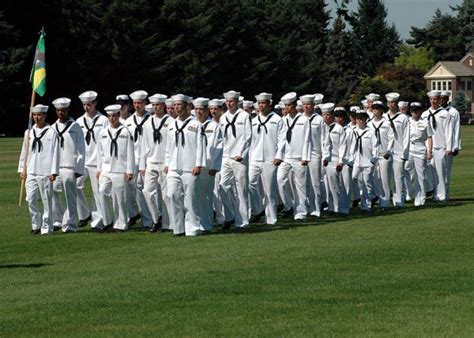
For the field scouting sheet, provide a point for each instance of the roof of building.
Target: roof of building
(454, 69)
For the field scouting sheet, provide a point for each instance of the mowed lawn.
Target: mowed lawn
(398, 273)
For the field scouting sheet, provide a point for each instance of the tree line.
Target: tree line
(203, 47)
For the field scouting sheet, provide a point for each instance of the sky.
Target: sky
(407, 13)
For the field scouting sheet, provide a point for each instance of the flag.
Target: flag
(38, 71)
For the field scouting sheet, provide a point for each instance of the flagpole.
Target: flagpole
(26, 142)
(27, 149)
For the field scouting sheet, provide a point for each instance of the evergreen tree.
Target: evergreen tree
(12, 60)
(466, 23)
(339, 67)
(460, 102)
(376, 41)
(442, 35)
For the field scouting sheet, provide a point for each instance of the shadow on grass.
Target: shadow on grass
(331, 218)
(24, 266)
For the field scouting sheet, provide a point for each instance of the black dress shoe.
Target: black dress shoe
(155, 227)
(35, 232)
(108, 227)
(83, 222)
(133, 220)
(228, 224)
(324, 205)
(118, 230)
(256, 218)
(287, 213)
(179, 235)
(355, 203)
(280, 207)
(374, 202)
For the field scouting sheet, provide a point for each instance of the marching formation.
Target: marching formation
(183, 165)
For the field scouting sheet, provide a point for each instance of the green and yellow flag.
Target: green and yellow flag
(38, 72)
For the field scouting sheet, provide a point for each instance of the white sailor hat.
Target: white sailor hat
(112, 109)
(190, 99)
(318, 98)
(434, 93)
(327, 107)
(416, 106)
(392, 96)
(149, 107)
(445, 93)
(201, 102)
(402, 104)
(378, 104)
(39, 108)
(139, 95)
(307, 98)
(180, 97)
(88, 96)
(157, 98)
(216, 103)
(62, 102)
(255, 105)
(241, 99)
(372, 96)
(122, 97)
(277, 106)
(354, 108)
(263, 97)
(232, 94)
(169, 102)
(361, 113)
(364, 103)
(248, 104)
(288, 98)
(339, 110)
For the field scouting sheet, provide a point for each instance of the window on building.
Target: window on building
(462, 85)
(433, 85)
(444, 85)
(469, 85)
(449, 85)
(439, 85)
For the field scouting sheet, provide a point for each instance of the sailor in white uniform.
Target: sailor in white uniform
(92, 123)
(152, 163)
(237, 131)
(212, 135)
(345, 190)
(384, 134)
(115, 167)
(124, 101)
(334, 155)
(421, 150)
(296, 159)
(401, 146)
(369, 101)
(314, 167)
(41, 147)
(71, 160)
(455, 120)
(266, 154)
(365, 158)
(216, 111)
(185, 157)
(137, 203)
(442, 125)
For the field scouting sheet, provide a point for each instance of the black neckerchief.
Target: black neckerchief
(61, 133)
(377, 130)
(90, 131)
(432, 117)
(393, 124)
(263, 124)
(289, 131)
(331, 127)
(113, 144)
(37, 140)
(180, 130)
(203, 130)
(157, 131)
(139, 126)
(312, 118)
(231, 125)
(359, 140)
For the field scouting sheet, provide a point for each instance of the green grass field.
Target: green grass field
(399, 273)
